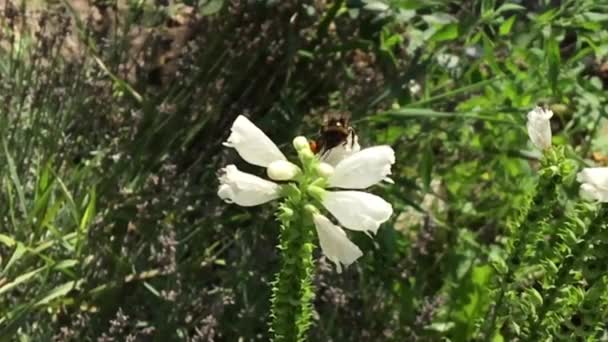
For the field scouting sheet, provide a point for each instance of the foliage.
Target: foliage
(112, 117)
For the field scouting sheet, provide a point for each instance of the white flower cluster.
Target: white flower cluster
(355, 210)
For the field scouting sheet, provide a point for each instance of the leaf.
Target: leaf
(505, 27)
(376, 6)
(58, 291)
(7, 240)
(509, 7)
(17, 254)
(15, 178)
(20, 279)
(211, 7)
(554, 61)
(447, 32)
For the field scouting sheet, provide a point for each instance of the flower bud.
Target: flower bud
(306, 155)
(539, 127)
(316, 192)
(325, 170)
(300, 143)
(311, 209)
(282, 170)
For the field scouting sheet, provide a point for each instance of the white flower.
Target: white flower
(282, 170)
(335, 244)
(539, 127)
(364, 168)
(358, 210)
(245, 189)
(595, 183)
(252, 144)
(355, 169)
(354, 210)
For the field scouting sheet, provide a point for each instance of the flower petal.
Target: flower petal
(335, 244)
(335, 155)
(358, 210)
(245, 189)
(252, 144)
(364, 168)
(539, 127)
(597, 176)
(592, 193)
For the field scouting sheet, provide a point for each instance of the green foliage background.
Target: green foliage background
(112, 116)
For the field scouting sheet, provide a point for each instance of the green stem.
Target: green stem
(292, 291)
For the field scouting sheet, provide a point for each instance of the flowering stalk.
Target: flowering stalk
(304, 191)
(532, 217)
(554, 168)
(550, 301)
(292, 290)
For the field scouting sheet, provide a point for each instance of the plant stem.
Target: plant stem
(293, 293)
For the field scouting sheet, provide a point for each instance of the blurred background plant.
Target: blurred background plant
(112, 118)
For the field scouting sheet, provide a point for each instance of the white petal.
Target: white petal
(252, 144)
(358, 210)
(591, 193)
(245, 189)
(338, 153)
(364, 168)
(335, 244)
(282, 170)
(539, 127)
(597, 176)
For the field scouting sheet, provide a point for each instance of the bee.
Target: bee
(336, 131)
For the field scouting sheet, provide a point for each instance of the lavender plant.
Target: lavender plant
(302, 192)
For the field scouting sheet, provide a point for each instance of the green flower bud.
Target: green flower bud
(301, 143)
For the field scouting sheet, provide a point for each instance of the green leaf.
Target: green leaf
(211, 7)
(20, 279)
(509, 7)
(447, 32)
(15, 178)
(554, 61)
(17, 254)
(57, 292)
(505, 27)
(7, 240)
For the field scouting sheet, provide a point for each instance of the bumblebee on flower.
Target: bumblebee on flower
(354, 170)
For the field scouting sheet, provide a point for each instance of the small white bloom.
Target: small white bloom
(594, 183)
(334, 243)
(414, 87)
(282, 170)
(539, 127)
(338, 153)
(252, 144)
(245, 189)
(364, 168)
(358, 210)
